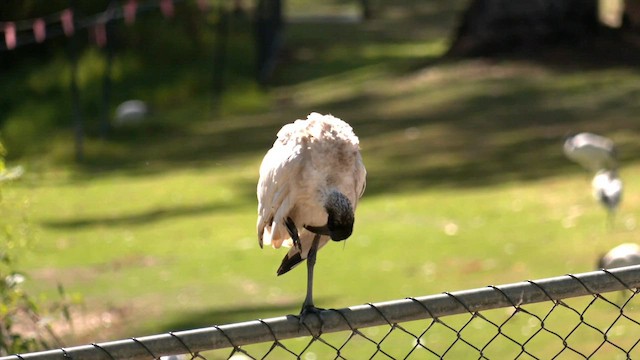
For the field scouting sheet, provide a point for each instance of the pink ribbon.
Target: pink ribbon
(67, 22)
(167, 8)
(100, 34)
(130, 9)
(39, 30)
(10, 35)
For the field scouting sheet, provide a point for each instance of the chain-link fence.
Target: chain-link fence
(593, 315)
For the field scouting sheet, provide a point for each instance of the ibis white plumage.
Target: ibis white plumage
(591, 151)
(626, 254)
(309, 187)
(607, 189)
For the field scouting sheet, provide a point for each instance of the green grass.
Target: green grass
(467, 184)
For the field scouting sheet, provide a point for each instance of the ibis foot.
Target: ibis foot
(309, 310)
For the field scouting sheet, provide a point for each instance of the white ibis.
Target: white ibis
(626, 254)
(131, 113)
(607, 189)
(591, 151)
(309, 187)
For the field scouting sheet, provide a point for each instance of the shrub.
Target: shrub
(22, 328)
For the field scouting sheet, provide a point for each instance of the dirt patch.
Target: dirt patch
(89, 321)
(88, 326)
(89, 273)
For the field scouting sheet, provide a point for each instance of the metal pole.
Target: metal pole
(220, 54)
(356, 317)
(75, 92)
(105, 126)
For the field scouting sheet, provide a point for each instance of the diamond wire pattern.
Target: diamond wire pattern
(501, 334)
(596, 326)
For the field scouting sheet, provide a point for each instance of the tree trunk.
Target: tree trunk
(498, 26)
(269, 22)
(365, 9)
(631, 15)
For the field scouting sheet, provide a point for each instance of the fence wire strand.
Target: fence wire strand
(585, 316)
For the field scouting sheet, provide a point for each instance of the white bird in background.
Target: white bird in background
(626, 254)
(607, 189)
(591, 151)
(309, 187)
(131, 113)
(598, 154)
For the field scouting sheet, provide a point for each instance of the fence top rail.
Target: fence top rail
(355, 317)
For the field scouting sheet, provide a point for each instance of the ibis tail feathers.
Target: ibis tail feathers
(289, 262)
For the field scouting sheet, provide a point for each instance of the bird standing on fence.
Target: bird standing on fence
(310, 183)
(591, 151)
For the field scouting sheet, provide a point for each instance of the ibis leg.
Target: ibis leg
(308, 305)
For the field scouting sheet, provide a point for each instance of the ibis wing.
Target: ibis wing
(276, 193)
(361, 178)
(297, 255)
(290, 260)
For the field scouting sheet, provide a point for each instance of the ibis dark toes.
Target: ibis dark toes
(310, 309)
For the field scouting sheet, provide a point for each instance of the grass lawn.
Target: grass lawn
(467, 184)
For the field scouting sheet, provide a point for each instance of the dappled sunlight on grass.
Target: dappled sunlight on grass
(417, 50)
(467, 183)
(461, 125)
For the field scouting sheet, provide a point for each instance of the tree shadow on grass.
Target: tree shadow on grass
(497, 130)
(142, 218)
(162, 146)
(504, 128)
(185, 142)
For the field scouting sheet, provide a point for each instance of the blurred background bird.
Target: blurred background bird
(131, 113)
(593, 152)
(626, 254)
(598, 155)
(310, 183)
(607, 189)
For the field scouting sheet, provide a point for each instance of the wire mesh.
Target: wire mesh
(593, 315)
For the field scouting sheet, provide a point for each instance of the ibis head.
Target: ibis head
(340, 217)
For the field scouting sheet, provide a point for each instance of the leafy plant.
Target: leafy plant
(22, 325)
